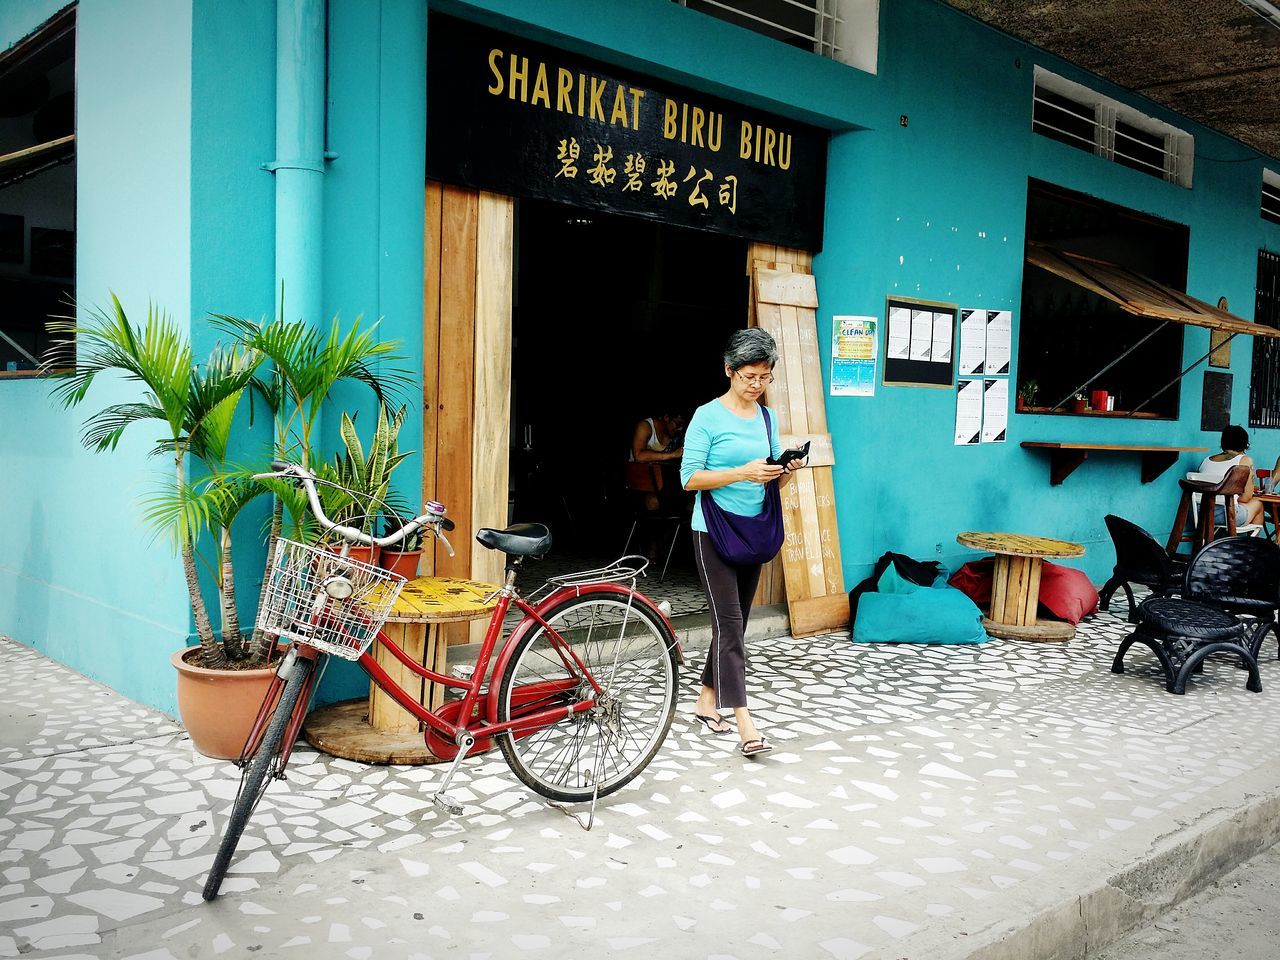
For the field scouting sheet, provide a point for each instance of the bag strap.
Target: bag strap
(768, 427)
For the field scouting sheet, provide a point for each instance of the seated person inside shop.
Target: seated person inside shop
(1235, 441)
(657, 444)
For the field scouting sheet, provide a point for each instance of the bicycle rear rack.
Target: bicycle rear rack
(627, 568)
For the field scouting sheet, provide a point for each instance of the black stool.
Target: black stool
(1181, 634)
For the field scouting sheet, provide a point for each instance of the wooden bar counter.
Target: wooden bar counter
(375, 729)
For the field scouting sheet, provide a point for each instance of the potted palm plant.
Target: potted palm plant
(221, 682)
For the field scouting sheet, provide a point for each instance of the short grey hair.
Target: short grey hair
(749, 346)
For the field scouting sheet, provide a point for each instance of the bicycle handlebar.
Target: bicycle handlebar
(434, 518)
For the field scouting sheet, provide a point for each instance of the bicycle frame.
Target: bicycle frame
(482, 725)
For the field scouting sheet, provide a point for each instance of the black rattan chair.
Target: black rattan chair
(1240, 576)
(1220, 586)
(1139, 559)
(1182, 634)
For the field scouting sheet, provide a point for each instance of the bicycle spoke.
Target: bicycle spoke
(628, 653)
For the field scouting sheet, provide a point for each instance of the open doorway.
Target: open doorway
(615, 320)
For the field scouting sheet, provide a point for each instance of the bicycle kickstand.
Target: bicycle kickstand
(441, 799)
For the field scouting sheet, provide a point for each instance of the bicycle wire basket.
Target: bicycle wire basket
(299, 604)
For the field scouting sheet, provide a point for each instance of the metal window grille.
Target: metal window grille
(1264, 378)
(809, 24)
(1108, 130)
(1270, 202)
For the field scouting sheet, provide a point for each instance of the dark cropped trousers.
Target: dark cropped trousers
(729, 590)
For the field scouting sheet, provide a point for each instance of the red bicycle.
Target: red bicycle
(582, 693)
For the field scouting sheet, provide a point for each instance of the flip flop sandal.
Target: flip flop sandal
(709, 722)
(756, 747)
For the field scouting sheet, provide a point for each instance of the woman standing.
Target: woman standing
(726, 448)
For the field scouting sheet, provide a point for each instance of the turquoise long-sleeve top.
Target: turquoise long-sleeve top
(720, 440)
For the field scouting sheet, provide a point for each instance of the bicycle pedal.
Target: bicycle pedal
(448, 804)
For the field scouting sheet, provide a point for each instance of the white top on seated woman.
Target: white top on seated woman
(1235, 441)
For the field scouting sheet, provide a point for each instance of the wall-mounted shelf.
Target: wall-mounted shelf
(1065, 457)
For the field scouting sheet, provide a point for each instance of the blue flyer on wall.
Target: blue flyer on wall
(855, 349)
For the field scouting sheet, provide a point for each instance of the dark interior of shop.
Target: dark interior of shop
(1067, 333)
(615, 319)
(37, 194)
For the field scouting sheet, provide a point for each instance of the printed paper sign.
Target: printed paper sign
(855, 349)
(969, 412)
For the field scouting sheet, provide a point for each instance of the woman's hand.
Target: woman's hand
(795, 465)
(757, 471)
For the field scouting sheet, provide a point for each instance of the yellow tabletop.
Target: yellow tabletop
(441, 600)
(1019, 544)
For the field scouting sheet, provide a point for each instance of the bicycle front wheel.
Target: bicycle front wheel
(254, 779)
(631, 653)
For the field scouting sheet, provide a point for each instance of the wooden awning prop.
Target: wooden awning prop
(1139, 295)
(25, 163)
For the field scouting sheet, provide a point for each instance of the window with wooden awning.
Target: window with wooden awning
(1139, 295)
(1103, 311)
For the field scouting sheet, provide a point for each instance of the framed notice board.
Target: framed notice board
(919, 343)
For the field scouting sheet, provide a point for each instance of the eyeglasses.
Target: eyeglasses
(761, 381)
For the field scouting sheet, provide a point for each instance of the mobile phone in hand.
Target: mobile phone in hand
(795, 453)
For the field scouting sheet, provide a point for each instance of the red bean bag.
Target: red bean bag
(1065, 592)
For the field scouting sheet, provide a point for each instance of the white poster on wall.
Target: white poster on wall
(921, 334)
(973, 341)
(899, 338)
(968, 412)
(999, 341)
(995, 410)
(943, 338)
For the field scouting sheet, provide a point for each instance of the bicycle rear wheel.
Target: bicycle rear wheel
(631, 653)
(254, 778)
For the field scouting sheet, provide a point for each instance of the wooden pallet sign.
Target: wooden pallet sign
(786, 302)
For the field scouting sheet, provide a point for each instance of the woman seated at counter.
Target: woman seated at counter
(1235, 441)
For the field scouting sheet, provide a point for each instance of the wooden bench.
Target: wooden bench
(1065, 457)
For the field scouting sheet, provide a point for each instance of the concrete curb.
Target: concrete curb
(1177, 865)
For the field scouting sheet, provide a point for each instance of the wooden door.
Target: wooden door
(784, 302)
(466, 416)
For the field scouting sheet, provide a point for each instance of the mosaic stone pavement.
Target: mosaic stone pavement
(911, 789)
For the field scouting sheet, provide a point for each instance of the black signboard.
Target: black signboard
(517, 117)
(1215, 402)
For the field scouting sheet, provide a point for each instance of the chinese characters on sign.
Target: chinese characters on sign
(518, 117)
(664, 188)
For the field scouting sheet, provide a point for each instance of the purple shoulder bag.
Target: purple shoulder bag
(744, 541)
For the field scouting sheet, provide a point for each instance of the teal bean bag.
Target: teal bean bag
(902, 612)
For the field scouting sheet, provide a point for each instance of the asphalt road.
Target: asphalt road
(1238, 918)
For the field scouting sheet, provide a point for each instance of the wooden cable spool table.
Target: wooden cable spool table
(1015, 588)
(375, 729)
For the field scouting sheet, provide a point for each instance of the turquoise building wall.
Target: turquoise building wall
(174, 206)
(937, 210)
(80, 578)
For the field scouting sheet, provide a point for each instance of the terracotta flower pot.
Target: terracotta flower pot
(363, 554)
(1079, 406)
(218, 707)
(1021, 404)
(405, 564)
